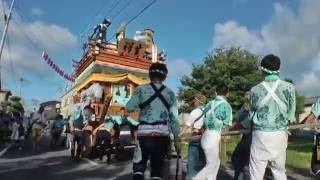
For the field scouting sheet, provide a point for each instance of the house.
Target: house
(308, 102)
(4, 95)
(50, 111)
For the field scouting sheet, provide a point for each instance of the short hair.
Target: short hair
(41, 109)
(222, 89)
(271, 63)
(122, 109)
(158, 70)
(246, 89)
(201, 98)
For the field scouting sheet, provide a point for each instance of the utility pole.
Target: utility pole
(4, 34)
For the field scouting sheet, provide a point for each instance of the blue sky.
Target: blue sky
(187, 30)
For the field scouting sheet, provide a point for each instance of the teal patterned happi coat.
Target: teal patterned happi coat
(316, 108)
(273, 115)
(76, 115)
(218, 114)
(120, 120)
(156, 111)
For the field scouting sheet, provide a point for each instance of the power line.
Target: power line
(23, 15)
(116, 4)
(136, 16)
(144, 9)
(29, 37)
(122, 9)
(33, 43)
(94, 16)
(14, 76)
(10, 58)
(32, 39)
(108, 12)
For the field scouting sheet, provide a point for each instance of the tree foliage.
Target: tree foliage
(235, 67)
(299, 101)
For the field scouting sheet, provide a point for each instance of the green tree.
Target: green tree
(235, 67)
(299, 102)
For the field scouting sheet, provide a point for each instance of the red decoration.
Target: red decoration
(56, 68)
(123, 53)
(137, 57)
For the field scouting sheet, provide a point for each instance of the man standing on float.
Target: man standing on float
(273, 107)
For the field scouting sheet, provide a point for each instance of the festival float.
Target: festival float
(118, 67)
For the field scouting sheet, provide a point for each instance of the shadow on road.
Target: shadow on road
(28, 151)
(57, 168)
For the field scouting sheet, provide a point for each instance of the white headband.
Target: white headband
(269, 71)
(158, 71)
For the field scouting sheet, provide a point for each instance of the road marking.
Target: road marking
(5, 149)
(38, 156)
(90, 162)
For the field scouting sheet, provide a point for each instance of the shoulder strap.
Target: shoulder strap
(214, 105)
(198, 118)
(273, 95)
(160, 96)
(157, 94)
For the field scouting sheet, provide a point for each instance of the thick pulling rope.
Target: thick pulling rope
(243, 131)
(292, 127)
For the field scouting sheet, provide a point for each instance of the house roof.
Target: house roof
(49, 103)
(308, 101)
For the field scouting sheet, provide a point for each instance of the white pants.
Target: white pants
(210, 143)
(268, 147)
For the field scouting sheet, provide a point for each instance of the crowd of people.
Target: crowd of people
(89, 138)
(268, 109)
(13, 127)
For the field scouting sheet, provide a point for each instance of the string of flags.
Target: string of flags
(56, 68)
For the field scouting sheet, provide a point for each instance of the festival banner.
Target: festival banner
(56, 68)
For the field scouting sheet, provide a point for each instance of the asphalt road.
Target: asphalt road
(55, 164)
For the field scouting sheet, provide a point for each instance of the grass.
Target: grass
(298, 153)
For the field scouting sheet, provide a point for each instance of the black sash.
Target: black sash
(157, 94)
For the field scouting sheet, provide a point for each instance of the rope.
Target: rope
(244, 131)
(292, 127)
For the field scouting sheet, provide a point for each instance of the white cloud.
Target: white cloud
(178, 68)
(316, 63)
(295, 37)
(51, 36)
(29, 39)
(231, 34)
(35, 11)
(310, 84)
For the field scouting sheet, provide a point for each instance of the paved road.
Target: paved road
(55, 164)
(48, 163)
